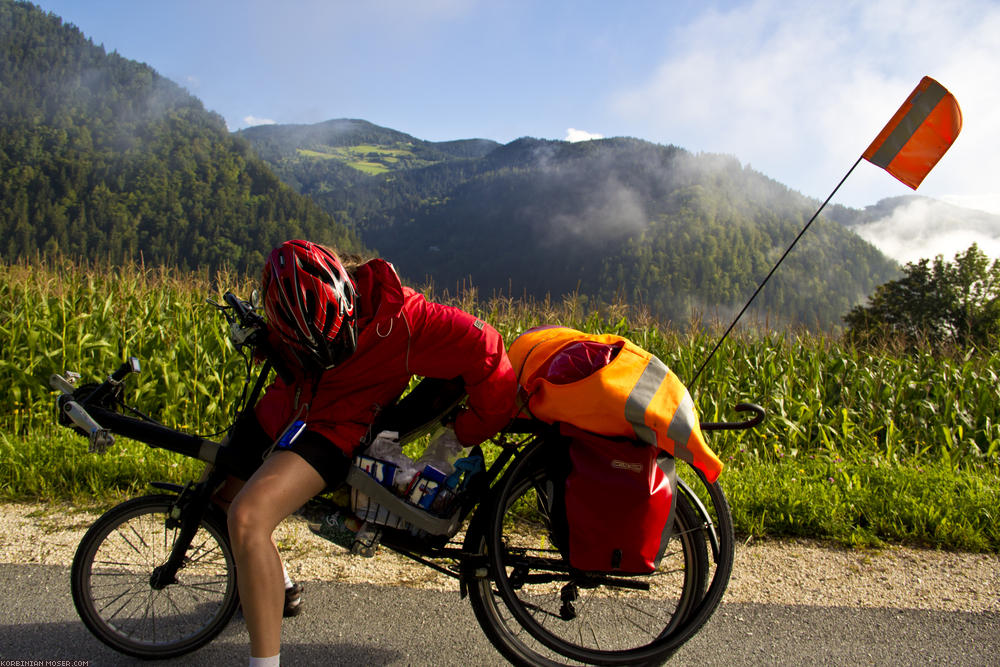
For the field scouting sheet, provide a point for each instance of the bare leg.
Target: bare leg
(279, 487)
(224, 498)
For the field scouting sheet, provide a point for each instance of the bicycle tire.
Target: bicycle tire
(612, 625)
(719, 522)
(112, 592)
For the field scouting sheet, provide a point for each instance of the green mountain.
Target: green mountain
(104, 159)
(616, 219)
(362, 171)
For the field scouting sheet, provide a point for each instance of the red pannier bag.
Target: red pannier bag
(620, 497)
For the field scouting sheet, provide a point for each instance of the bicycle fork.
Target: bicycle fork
(186, 514)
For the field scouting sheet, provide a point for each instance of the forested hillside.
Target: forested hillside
(102, 158)
(616, 219)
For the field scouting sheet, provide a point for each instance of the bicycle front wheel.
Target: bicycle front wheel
(537, 610)
(113, 589)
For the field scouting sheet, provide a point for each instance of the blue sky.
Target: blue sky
(797, 90)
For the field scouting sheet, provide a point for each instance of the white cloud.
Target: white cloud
(251, 121)
(573, 135)
(799, 89)
(926, 228)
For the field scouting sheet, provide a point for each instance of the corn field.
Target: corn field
(829, 404)
(820, 394)
(89, 321)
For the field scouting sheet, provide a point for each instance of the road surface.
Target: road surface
(356, 624)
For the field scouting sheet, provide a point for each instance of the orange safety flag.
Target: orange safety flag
(918, 135)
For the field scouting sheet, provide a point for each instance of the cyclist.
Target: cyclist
(352, 340)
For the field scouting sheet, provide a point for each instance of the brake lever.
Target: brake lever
(223, 309)
(65, 384)
(239, 333)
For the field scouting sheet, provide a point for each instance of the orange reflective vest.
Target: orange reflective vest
(634, 396)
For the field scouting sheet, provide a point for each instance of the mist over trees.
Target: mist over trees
(620, 219)
(103, 159)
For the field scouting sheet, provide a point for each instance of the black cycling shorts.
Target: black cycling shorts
(249, 445)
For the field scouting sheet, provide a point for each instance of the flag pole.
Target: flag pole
(771, 273)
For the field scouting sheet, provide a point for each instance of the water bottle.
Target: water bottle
(366, 540)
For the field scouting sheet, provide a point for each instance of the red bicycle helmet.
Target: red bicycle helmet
(309, 300)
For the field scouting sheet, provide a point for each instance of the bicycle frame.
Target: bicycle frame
(100, 424)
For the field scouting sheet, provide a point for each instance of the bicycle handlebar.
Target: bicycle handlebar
(100, 438)
(758, 417)
(75, 405)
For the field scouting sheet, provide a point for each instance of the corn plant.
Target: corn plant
(850, 430)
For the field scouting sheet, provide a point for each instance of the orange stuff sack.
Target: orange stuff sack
(625, 392)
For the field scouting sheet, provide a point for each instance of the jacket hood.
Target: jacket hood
(380, 292)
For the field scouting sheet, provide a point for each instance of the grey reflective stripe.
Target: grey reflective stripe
(666, 464)
(681, 427)
(923, 104)
(641, 396)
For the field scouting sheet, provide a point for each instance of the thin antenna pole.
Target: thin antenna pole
(771, 273)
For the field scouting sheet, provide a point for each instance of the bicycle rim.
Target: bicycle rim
(112, 591)
(537, 611)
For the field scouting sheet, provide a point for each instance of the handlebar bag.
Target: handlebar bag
(607, 385)
(619, 497)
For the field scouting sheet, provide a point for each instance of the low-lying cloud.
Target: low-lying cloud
(926, 228)
(798, 90)
(252, 121)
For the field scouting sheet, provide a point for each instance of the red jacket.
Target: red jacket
(400, 334)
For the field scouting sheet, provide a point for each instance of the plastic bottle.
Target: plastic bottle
(386, 447)
(442, 451)
(366, 540)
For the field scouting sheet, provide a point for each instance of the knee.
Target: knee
(246, 522)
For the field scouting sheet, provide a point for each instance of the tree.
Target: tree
(941, 303)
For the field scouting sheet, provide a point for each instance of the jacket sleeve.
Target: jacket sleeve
(447, 342)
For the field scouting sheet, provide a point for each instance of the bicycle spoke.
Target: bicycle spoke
(113, 591)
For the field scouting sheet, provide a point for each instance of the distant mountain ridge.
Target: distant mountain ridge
(104, 159)
(282, 141)
(613, 219)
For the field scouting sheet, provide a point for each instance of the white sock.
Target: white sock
(273, 661)
(288, 580)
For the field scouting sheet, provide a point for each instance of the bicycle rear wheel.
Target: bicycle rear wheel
(114, 595)
(536, 610)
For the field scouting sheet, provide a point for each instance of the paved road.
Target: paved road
(368, 625)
